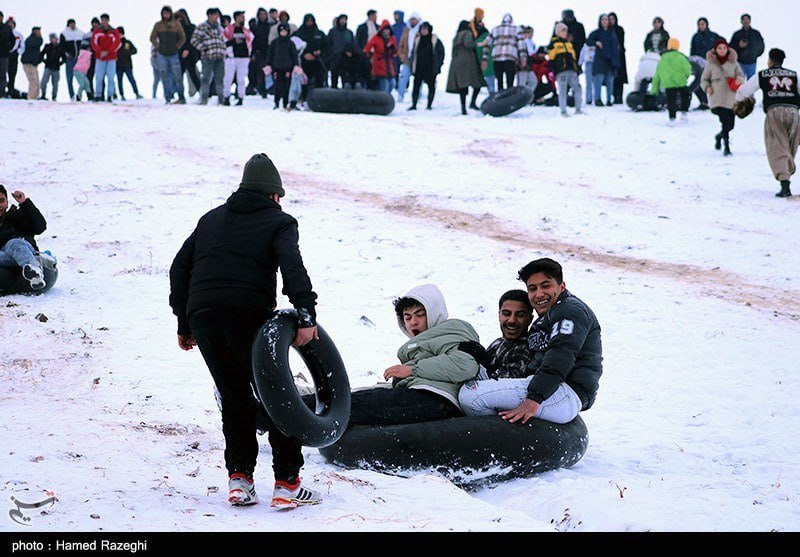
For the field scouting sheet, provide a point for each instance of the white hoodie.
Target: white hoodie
(412, 33)
(432, 300)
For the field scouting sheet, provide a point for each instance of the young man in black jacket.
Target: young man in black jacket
(223, 288)
(52, 56)
(18, 226)
(6, 44)
(566, 357)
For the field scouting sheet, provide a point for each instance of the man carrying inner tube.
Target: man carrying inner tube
(425, 384)
(223, 288)
(563, 373)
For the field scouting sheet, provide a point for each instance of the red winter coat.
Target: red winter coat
(382, 53)
(106, 41)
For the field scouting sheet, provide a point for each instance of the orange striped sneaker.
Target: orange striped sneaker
(292, 495)
(241, 490)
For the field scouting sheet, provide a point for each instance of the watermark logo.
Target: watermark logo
(19, 517)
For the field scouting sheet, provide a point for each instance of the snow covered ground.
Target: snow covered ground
(686, 257)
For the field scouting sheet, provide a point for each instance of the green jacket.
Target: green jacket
(673, 70)
(489, 71)
(438, 365)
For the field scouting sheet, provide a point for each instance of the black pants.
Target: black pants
(13, 67)
(281, 87)
(395, 406)
(508, 69)
(727, 119)
(701, 96)
(129, 73)
(317, 74)
(258, 63)
(225, 338)
(418, 81)
(674, 94)
(618, 86)
(189, 66)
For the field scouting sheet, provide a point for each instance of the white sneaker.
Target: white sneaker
(564, 114)
(47, 259)
(241, 490)
(291, 496)
(34, 274)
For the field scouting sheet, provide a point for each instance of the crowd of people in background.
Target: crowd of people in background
(272, 55)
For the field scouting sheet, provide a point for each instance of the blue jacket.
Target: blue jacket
(606, 59)
(398, 28)
(702, 42)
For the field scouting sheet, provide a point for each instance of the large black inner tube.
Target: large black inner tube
(507, 101)
(12, 281)
(277, 391)
(350, 101)
(470, 451)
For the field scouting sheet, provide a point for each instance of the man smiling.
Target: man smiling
(565, 364)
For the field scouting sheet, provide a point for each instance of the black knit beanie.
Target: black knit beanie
(261, 175)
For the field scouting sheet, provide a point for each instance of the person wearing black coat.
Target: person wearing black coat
(621, 77)
(576, 32)
(281, 60)
(18, 227)
(657, 39)
(702, 42)
(260, 26)
(353, 67)
(314, 55)
(749, 45)
(6, 44)
(189, 55)
(31, 58)
(426, 64)
(125, 64)
(53, 57)
(339, 37)
(222, 290)
(367, 30)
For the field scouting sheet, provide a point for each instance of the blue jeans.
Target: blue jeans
(129, 73)
(488, 397)
(405, 77)
(749, 70)
(70, 65)
(491, 84)
(171, 75)
(104, 69)
(587, 72)
(17, 253)
(607, 79)
(386, 84)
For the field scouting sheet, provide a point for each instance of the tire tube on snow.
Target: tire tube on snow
(350, 101)
(470, 451)
(276, 389)
(12, 281)
(507, 101)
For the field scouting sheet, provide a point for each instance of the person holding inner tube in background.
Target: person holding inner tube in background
(223, 285)
(563, 374)
(425, 383)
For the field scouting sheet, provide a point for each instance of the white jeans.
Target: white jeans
(236, 67)
(487, 398)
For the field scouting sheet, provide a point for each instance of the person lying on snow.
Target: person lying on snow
(425, 383)
(563, 373)
(18, 226)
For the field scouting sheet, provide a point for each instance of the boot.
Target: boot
(785, 191)
(718, 141)
(727, 151)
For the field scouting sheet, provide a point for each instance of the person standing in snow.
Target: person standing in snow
(484, 54)
(260, 26)
(606, 60)
(586, 61)
(6, 44)
(382, 49)
(53, 57)
(367, 30)
(313, 58)
(239, 40)
(105, 44)
(702, 42)
(721, 78)
(339, 37)
(464, 69)
(621, 75)
(405, 52)
(576, 32)
(168, 37)
(509, 52)
(565, 67)
(398, 27)
(781, 102)
(749, 45)
(18, 227)
(656, 39)
(125, 64)
(222, 290)
(476, 24)
(281, 60)
(13, 59)
(426, 63)
(188, 54)
(210, 43)
(70, 41)
(672, 73)
(563, 374)
(526, 77)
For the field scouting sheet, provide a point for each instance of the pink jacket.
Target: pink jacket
(84, 61)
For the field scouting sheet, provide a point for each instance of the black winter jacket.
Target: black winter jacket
(282, 55)
(232, 258)
(566, 347)
(6, 40)
(353, 69)
(53, 56)
(24, 222)
(32, 54)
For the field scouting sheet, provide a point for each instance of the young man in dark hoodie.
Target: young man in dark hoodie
(314, 55)
(353, 67)
(281, 60)
(6, 44)
(260, 26)
(168, 37)
(18, 227)
(222, 289)
(339, 37)
(53, 57)
(702, 42)
(125, 64)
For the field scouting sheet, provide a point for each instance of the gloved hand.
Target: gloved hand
(477, 351)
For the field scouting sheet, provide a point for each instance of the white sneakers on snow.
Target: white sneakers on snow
(291, 496)
(34, 274)
(241, 491)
